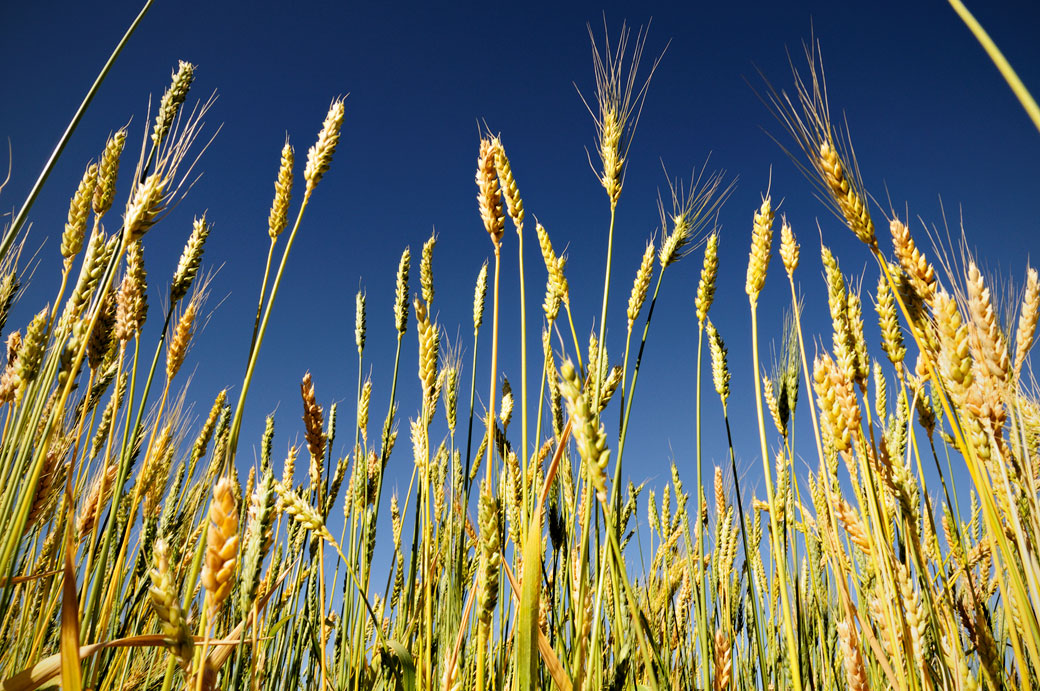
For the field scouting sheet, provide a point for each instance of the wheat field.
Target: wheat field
(895, 545)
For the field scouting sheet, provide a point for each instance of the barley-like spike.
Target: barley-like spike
(855, 672)
(172, 100)
(888, 320)
(401, 293)
(165, 602)
(490, 520)
(723, 662)
(313, 421)
(257, 539)
(144, 206)
(266, 444)
(302, 512)
(360, 323)
(839, 410)
(1027, 320)
(99, 343)
(198, 450)
(278, 219)
(618, 102)
(319, 156)
(858, 341)
(838, 301)
(589, 436)
(773, 406)
(132, 299)
(846, 193)
(79, 209)
(221, 557)
(719, 367)
(640, 285)
(554, 265)
(178, 345)
(993, 345)
(914, 264)
(789, 249)
(709, 272)
(761, 240)
(489, 196)
(362, 414)
(429, 351)
(480, 296)
(108, 171)
(426, 269)
(506, 407)
(191, 257)
(610, 385)
(9, 285)
(514, 204)
(30, 354)
(450, 375)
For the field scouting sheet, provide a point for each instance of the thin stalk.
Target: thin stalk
(774, 535)
(523, 376)
(702, 590)
(603, 312)
(1006, 71)
(263, 292)
(469, 432)
(494, 375)
(236, 423)
(23, 213)
(747, 553)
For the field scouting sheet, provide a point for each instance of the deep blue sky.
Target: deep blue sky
(930, 118)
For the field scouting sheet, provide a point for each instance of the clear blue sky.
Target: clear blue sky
(930, 118)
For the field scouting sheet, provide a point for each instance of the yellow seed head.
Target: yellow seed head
(916, 267)
(479, 296)
(179, 343)
(279, 216)
(429, 343)
(401, 293)
(172, 100)
(514, 204)
(163, 595)
(761, 241)
(839, 410)
(144, 207)
(191, 257)
(489, 196)
(79, 209)
(641, 284)
(132, 300)
(319, 156)
(1027, 320)
(709, 272)
(426, 269)
(360, 324)
(313, 421)
(845, 194)
(888, 320)
(719, 367)
(610, 152)
(789, 249)
(589, 436)
(221, 556)
(108, 171)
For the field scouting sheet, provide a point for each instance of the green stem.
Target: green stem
(774, 534)
(603, 312)
(1019, 89)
